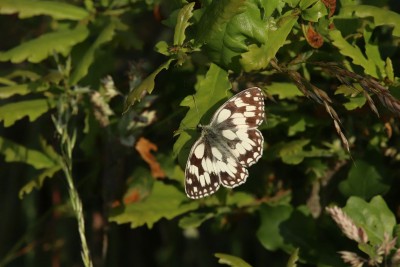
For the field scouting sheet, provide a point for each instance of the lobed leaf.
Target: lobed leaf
(55, 9)
(353, 52)
(182, 23)
(21, 89)
(147, 85)
(364, 181)
(258, 57)
(381, 16)
(14, 152)
(283, 90)
(224, 28)
(194, 220)
(38, 49)
(292, 152)
(10, 113)
(269, 232)
(165, 201)
(37, 182)
(374, 217)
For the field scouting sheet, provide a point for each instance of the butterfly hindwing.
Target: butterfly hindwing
(201, 177)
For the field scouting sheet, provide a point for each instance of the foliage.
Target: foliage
(104, 96)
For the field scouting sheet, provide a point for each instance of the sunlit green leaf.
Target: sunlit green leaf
(147, 85)
(381, 16)
(292, 262)
(182, 23)
(374, 217)
(283, 90)
(355, 102)
(353, 52)
(304, 4)
(224, 28)
(10, 113)
(389, 69)
(165, 201)
(258, 57)
(231, 260)
(38, 49)
(55, 9)
(314, 13)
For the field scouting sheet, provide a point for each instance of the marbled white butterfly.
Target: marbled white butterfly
(229, 144)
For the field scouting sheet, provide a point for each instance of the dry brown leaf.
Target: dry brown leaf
(313, 37)
(144, 147)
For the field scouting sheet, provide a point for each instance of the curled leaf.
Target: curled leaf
(144, 147)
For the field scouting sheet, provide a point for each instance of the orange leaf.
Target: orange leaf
(144, 147)
(132, 197)
(314, 38)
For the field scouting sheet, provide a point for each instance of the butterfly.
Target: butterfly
(227, 146)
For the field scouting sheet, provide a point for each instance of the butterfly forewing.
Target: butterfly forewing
(229, 144)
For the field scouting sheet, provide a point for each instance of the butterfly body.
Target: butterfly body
(229, 144)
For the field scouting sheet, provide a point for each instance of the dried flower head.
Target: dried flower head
(352, 258)
(347, 225)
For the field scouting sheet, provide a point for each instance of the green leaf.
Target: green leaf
(227, 27)
(37, 182)
(353, 52)
(10, 113)
(304, 4)
(38, 49)
(210, 91)
(86, 61)
(296, 124)
(355, 102)
(231, 260)
(381, 16)
(240, 199)
(194, 220)
(314, 13)
(284, 90)
(55, 9)
(21, 89)
(258, 57)
(292, 152)
(293, 259)
(165, 201)
(182, 23)
(146, 85)
(269, 232)
(363, 181)
(372, 51)
(374, 217)
(389, 69)
(14, 152)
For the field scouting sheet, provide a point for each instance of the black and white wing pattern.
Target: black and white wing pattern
(229, 144)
